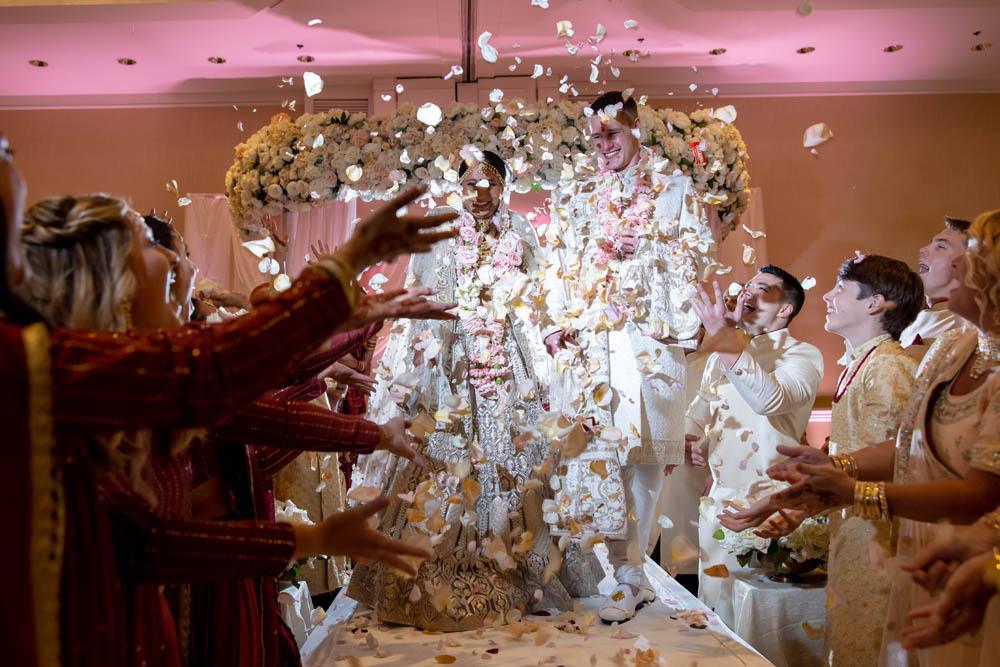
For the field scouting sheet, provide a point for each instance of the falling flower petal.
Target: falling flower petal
(693, 87)
(594, 74)
(429, 114)
(490, 53)
(749, 255)
(808, 283)
(811, 632)
(631, 24)
(354, 173)
(719, 571)
(539, 70)
(364, 494)
(399, 87)
(664, 522)
(726, 114)
(564, 28)
(816, 135)
(544, 4)
(602, 32)
(313, 83)
(754, 234)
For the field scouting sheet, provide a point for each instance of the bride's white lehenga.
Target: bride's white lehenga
(963, 430)
(467, 583)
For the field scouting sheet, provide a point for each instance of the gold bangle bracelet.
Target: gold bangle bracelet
(846, 463)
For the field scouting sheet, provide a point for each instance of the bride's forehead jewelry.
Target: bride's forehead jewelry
(483, 170)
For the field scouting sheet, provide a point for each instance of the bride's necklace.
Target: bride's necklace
(986, 356)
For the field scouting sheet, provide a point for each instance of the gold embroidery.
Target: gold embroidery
(47, 514)
(618, 596)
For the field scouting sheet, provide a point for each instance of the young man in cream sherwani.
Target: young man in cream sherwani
(757, 393)
(629, 244)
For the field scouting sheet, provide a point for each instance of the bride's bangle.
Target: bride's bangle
(846, 463)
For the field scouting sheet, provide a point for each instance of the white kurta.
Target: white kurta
(763, 401)
(929, 325)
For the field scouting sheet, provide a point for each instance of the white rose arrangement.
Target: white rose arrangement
(810, 541)
(296, 165)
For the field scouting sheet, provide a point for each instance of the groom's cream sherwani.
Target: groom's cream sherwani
(636, 355)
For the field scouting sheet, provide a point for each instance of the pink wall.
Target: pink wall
(895, 166)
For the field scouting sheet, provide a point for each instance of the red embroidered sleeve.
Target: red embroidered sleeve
(195, 375)
(283, 424)
(166, 550)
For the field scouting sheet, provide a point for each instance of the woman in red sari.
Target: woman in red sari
(62, 386)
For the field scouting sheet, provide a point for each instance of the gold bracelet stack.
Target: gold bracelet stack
(870, 501)
(846, 463)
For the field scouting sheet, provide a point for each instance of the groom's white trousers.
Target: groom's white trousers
(642, 483)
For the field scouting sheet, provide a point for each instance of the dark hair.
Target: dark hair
(492, 159)
(791, 288)
(957, 224)
(629, 107)
(163, 231)
(893, 279)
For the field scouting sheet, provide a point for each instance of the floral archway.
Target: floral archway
(300, 164)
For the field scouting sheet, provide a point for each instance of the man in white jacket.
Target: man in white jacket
(757, 393)
(630, 243)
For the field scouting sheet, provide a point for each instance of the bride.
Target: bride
(471, 385)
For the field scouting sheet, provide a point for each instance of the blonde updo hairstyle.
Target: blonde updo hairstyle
(983, 274)
(79, 251)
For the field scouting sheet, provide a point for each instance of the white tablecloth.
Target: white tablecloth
(769, 615)
(345, 633)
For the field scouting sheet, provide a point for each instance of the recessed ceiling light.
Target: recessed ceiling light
(216, 60)
(38, 63)
(305, 59)
(982, 47)
(717, 52)
(892, 48)
(805, 49)
(126, 61)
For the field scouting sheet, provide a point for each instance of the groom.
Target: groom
(629, 243)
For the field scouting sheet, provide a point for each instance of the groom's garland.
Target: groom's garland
(307, 162)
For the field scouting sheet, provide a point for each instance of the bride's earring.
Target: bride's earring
(126, 310)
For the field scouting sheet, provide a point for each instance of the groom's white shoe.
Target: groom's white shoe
(620, 605)
(646, 591)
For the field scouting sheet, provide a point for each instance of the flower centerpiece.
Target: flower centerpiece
(802, 550)
(296, 165)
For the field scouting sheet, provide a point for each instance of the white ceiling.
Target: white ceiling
(361, 41)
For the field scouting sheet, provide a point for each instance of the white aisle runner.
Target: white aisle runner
(663, 626)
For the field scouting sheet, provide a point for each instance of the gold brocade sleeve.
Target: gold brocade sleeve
(888, 382)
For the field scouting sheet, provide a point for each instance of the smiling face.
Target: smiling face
(936, 263)
(846, 311)
(482, 192)
(155, 268)
(764, 307)
(615, 145)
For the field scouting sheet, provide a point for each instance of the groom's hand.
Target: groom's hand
(557, 340)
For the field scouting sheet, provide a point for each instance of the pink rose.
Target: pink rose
(510, 244)
(467, 255)
(468, 233)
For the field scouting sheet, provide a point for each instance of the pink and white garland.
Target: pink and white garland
(616, 212)
(483, 260)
